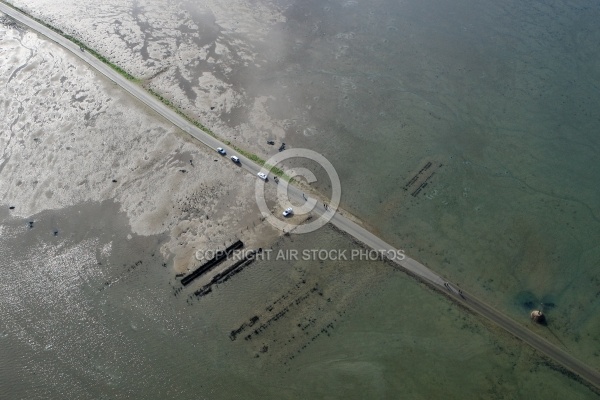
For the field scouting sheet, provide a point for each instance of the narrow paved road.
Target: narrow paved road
(342, 223)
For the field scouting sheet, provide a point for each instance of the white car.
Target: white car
(288, 211)
(263, 176)
(235, 159)
(221, 151)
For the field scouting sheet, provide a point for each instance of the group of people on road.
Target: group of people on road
(325, 205)
(447, 285)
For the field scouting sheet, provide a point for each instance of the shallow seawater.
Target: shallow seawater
(90, 311)
(500, 100)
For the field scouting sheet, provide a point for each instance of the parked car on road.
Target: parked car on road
(235, 159)
(263, 176)
(221, 151)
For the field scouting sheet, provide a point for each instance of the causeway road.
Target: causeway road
(361, 234)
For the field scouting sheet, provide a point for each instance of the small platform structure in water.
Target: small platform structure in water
(538, 316)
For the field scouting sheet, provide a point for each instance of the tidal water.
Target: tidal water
(500, 98)
(90, 311)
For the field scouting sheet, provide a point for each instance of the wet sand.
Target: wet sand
(70, 137)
